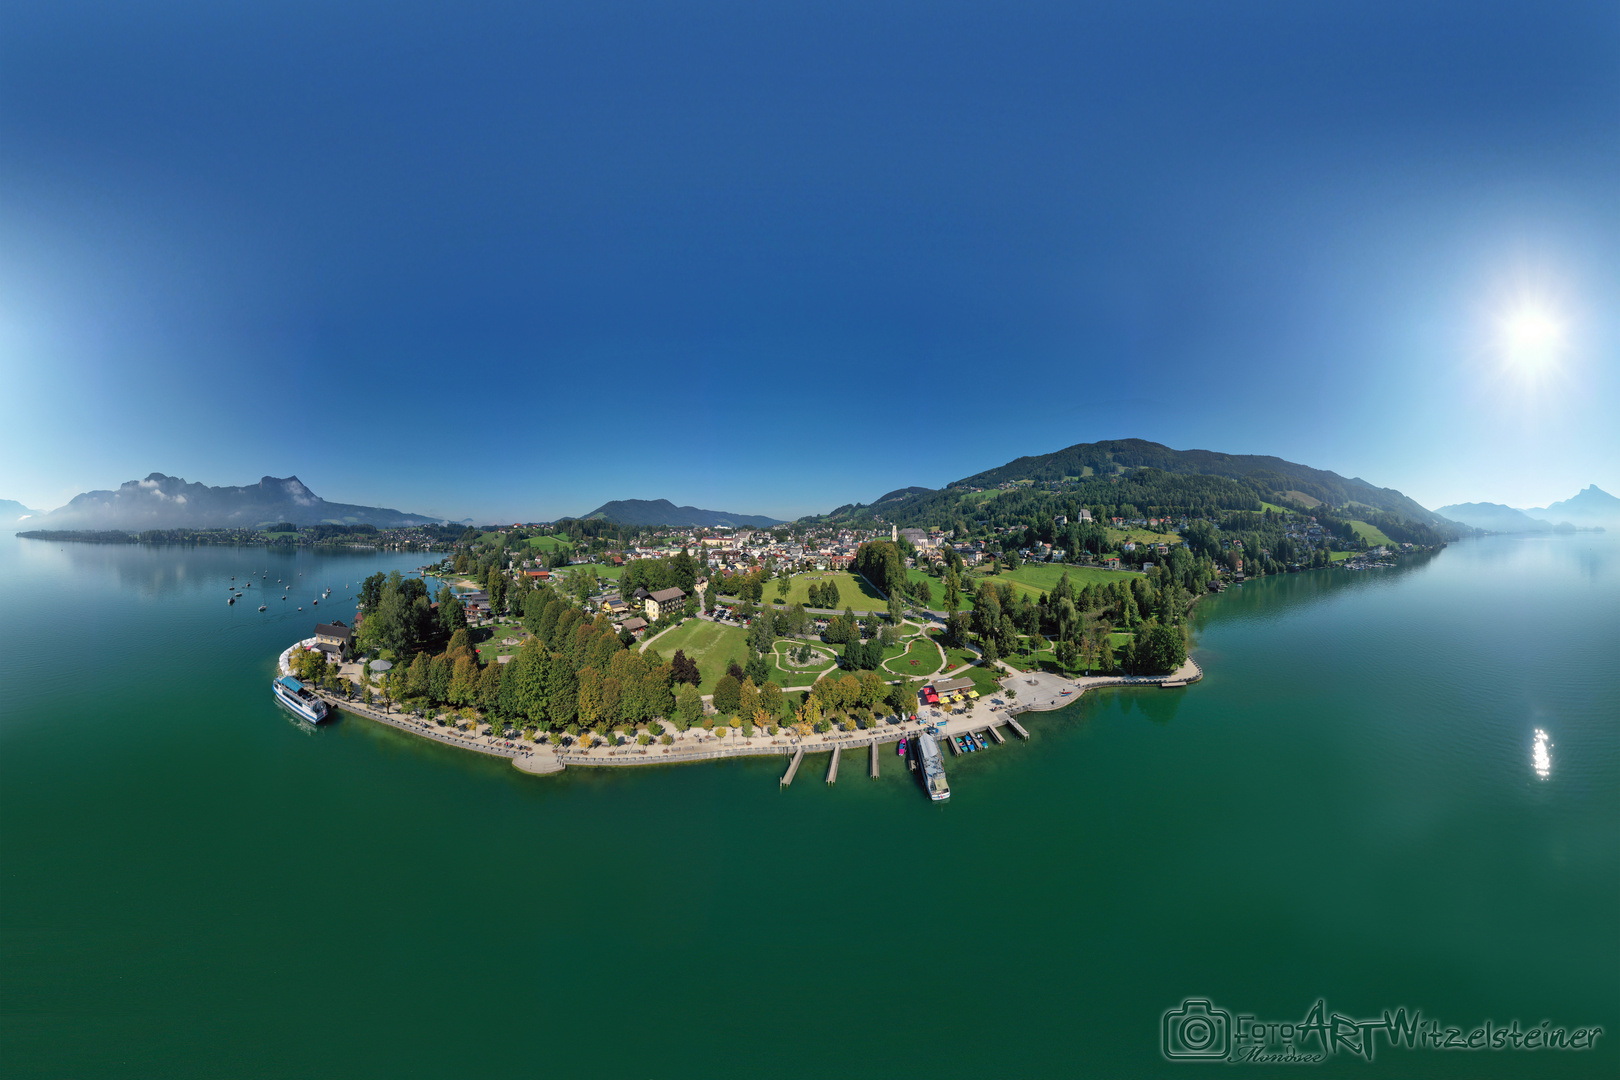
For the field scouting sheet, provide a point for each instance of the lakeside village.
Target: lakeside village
(565, 647)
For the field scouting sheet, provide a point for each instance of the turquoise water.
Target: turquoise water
(1346, 809)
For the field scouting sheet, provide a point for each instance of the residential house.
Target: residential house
(665, 602)
(334, 639)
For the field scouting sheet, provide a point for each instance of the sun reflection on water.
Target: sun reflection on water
(1539, 758)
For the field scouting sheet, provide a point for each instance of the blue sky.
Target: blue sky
(514, 260)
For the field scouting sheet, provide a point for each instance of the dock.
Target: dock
(832, 767)
(995, 733)
(1019, 728)
(950, 742)
(874, 759)
(793, 769)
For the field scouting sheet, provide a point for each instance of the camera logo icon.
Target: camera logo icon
(1197, 1030)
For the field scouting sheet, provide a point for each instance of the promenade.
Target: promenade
(1032, 692)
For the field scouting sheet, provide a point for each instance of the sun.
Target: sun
(1531, 337)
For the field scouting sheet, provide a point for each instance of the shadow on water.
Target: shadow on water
(1154, 703)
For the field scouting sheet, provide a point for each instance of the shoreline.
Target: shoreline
(1048, 693)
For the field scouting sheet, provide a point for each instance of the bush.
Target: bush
(823, 726)
(772, 729)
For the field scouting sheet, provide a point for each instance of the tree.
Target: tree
(770, 699)
(727, 693)
(685, 668)
(783, 585)
(688, 706)
(953, 592)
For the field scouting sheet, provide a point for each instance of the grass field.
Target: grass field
(1371, 533)
(921, 650)
(1142, 534)
(1036, 578)
(713, 645)
(791, 677)
(853, 591)
(1272, 507)
(550, 543)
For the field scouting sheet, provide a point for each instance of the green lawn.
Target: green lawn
(551, 543)
(713, 645)
(1273, 507)
(1036, 578)
(921, 650)
(853, 592)
(1371, 533)
(795, 676)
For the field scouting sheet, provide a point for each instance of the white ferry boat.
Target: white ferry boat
(933, 768)
(297, 697)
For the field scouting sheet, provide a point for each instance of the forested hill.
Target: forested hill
(653, 513)
(1115, 480)
(1286, 479)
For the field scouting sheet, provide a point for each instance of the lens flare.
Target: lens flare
(1540, 759)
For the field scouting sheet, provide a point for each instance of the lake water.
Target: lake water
(1347, 808)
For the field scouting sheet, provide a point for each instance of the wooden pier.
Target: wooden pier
(1019, 728)
(793, 769)
(996, 735)
(874, 759)
(951, 742)
(832, 767)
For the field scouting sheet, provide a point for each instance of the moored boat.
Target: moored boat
(297, 697)
(933, 769)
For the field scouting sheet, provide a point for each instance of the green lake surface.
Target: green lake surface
(1346, 809)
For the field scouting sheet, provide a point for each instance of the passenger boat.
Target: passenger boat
(297, 697)
(933, 769)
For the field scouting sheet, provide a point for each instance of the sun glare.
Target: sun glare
(1531, 337)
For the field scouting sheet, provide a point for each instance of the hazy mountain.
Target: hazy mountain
(1494, 517)
(663, 512)
(168, 502)
(1592, 506)
(1286, 479)
(11, 511)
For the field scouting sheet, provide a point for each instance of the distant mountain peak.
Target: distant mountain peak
(160, 501)
(662, 512)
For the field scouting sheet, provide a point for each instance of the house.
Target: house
(665, 602)
(1112, 562)
(636, 625)
(614, 606)
(334, 639)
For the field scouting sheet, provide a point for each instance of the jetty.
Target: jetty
(832, 766)
(874, 759)
(995, 733)
(1019, 728)
(793, 768)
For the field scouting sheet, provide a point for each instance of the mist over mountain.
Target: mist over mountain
(1494, 517)
(11, 511)
(1591, 506)
(656, 512)
(169, 502)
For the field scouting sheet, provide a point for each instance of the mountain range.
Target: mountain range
(12, 511)
(169, 502)
(661, 512)
(1592, 507)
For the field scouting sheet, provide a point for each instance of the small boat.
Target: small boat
(900, 749)
(300, 609)
(314, 601)
(261, 607)
(231, 601)
(1064, 693)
